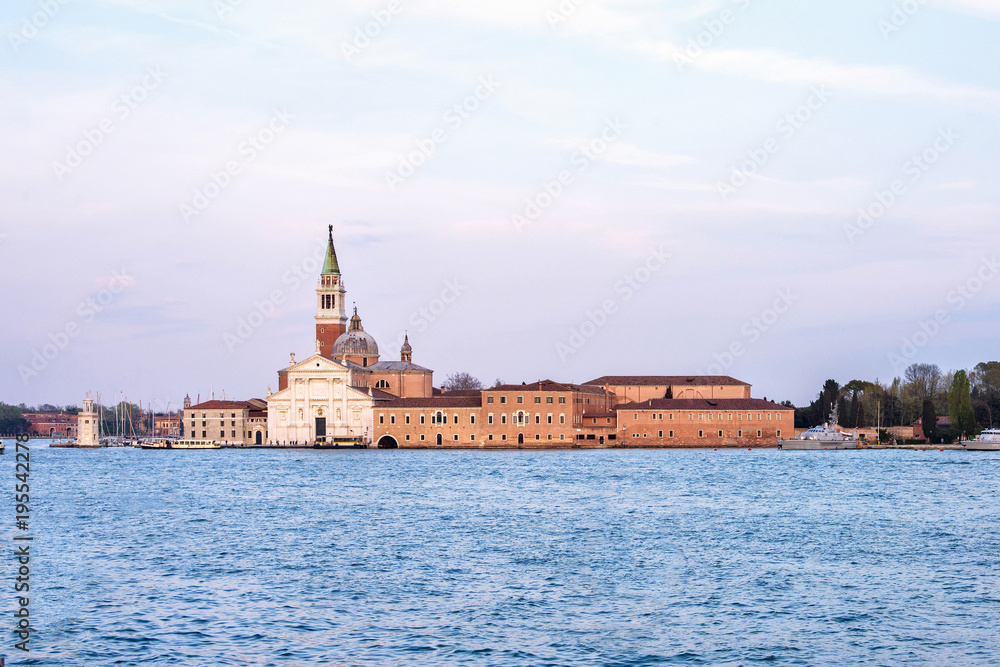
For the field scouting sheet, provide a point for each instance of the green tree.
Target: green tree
(928, 420)
(963, 418)
(985, 378)
(12, 421)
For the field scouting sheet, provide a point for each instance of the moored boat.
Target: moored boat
(825, 436)
(181, 444)
(988, 441)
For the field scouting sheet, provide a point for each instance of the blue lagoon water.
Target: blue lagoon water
(611, 557)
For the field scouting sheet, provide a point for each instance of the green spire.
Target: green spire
(331, 267)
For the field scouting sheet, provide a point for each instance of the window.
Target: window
(739, 416)
(690, 416)
(382, 384)
(538, 399)
(550, 436)
(234, 434)
(503, 436)
(538, 437)
(730, 416)
(758, 433)
(406, 419)
(701, 434)
(671, 434)
(758, 417)
(778, 416)
(562, 419)
(562, 436)
(222, 434)
(609, 418)
(472, 438)
(489, 437)
(489, 399)
(739, 434)
(520, 400)
(635, 416)
(768, 416)
(538, 419)
(456, 421)
(456, 437)
(562, 400)
(503, 418)
(421, 436)
(779, 433)
(720, 416)
(548, 419)
(472, 419)
(701, 416)
(548, 399)
(720, 434)
(202, 422)
(503, 399)
(203, 434)
(489, 418)
(381, 419)
(660, 434)
(671, 416)
(422, 419)
(407, 436)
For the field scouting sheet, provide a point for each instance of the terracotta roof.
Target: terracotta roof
(600, 415)
(656, 380)
(549, 385)
(435, 402)
(223, 405)
(704, 404)
(462, 392)
(377, 394)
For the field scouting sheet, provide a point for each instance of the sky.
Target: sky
(779, 191)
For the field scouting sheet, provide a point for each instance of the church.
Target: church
(330, 396)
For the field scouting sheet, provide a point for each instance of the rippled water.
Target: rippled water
(511, 558)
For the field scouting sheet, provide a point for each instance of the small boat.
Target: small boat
(988, 441)
(181, 444)
(821, 437)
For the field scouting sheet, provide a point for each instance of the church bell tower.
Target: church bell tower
(331, 302)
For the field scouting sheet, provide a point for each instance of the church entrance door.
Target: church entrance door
(320, 428)
(259, 438)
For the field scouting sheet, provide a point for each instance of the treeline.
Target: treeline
(971, 399)
(124, 418)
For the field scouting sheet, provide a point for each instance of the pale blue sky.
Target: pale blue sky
(858, 296)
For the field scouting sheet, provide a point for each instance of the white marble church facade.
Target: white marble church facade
(319, 403)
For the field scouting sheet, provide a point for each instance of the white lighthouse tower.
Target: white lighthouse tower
(87, 428)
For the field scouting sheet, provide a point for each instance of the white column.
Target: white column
(330, 423)
(293, 425)
(344, 403)
(307, 412)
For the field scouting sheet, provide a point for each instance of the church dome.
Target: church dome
(355, 342)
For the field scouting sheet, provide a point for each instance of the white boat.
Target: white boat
(182, 444)
(821, 437)
(988, 441)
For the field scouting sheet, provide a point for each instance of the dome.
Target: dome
(355, 342)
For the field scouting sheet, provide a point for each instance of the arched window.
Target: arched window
(382, 384)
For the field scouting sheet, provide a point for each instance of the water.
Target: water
(510, 558)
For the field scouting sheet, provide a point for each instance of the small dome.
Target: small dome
(355, 342)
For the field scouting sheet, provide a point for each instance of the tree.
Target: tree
(963, 419)
(12, 420)
(928, 420)
(985, 379)
(459, 381)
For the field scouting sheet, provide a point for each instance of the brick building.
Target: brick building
(52, 424)
(725, 422)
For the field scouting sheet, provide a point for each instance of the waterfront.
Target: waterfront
(605, 557)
